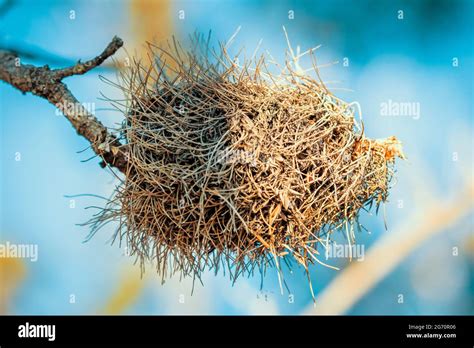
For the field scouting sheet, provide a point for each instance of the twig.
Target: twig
(37, 54)
(47, 84)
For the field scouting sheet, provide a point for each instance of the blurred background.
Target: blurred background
(400, 51)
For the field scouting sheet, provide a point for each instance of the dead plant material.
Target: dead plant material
(233, 166)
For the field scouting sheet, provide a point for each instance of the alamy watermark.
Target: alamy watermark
(236, 156)
(23, 251)
(346, 251)
(402, 109)
(28, 330)
(75, 108)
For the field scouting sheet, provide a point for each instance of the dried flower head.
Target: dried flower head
(232, 165)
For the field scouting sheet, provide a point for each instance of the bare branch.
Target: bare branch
(47, 84)
(82, 68)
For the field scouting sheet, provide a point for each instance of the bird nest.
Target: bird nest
(233, 166)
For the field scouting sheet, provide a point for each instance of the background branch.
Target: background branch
(47, 84)
(389, 251)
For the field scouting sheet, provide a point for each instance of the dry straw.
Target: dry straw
(237, 167)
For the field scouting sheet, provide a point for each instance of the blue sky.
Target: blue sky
(407, 60)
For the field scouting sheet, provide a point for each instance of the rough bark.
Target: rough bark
(47, 83)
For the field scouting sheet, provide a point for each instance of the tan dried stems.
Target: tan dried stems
(238, 167)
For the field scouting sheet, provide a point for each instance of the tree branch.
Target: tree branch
(47, 84)
(82, 68)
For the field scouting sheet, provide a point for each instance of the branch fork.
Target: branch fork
(47, 83)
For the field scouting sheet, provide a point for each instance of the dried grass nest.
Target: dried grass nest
(236, 167)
